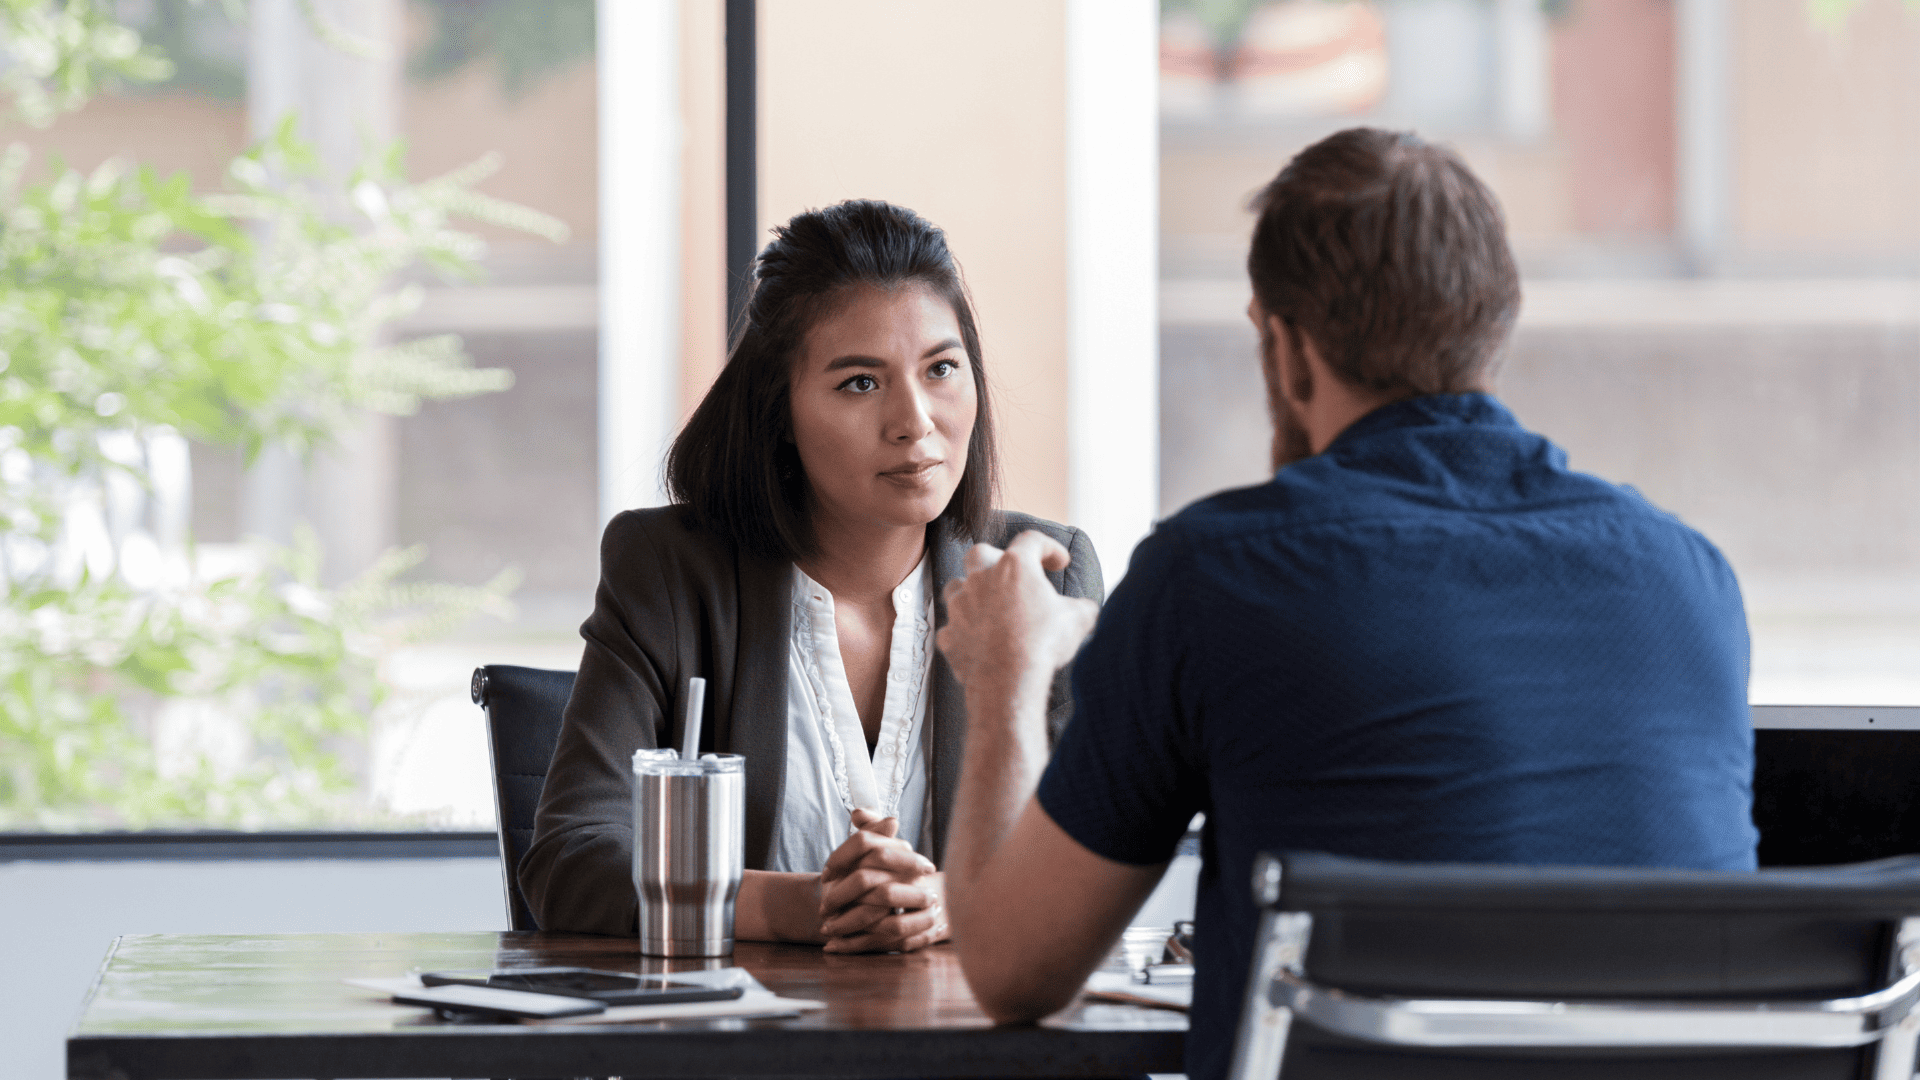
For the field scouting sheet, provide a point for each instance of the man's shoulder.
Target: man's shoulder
(1274, 506)
(1335, 488)
(1323, 506)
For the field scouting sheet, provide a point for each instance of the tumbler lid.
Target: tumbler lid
(669, 763)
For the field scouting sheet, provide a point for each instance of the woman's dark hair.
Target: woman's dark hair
(1392, 256)
(735, 465)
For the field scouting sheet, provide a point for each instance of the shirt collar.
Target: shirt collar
(909, 597)
(1429, 410)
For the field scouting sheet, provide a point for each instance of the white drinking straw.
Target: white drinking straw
(696, 703)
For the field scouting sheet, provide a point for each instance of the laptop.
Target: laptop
(1835, 783)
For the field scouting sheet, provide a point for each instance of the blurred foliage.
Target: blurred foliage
(527, 40)
(1832, 15)
(206, 42)
(58, 54)
(1227, 19)
(121, 283)
(136, 313)
(94, 674)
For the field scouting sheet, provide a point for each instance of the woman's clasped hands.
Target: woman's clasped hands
(879, 895)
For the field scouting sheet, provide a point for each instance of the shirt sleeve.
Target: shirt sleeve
(1123, 780)
(1081, 578)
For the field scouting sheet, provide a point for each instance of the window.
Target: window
(505, 467)
(1711, 205)
(302, 692)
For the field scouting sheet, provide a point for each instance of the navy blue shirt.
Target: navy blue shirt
(1432, 642)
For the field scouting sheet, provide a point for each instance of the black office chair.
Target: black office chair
(1367, 970)
(523, 723)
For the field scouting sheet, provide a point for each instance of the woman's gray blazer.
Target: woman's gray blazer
(675, 602)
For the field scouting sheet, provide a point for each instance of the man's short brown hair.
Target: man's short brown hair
(1392, 257)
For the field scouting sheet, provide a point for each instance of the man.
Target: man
(1425, 639)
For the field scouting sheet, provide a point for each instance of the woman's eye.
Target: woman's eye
(860, 384)
(943, 369)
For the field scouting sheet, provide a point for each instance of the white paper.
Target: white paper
(762, 1003)
(756, 1001)
(1119, 985)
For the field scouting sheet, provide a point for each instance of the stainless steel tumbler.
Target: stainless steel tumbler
(689, 847)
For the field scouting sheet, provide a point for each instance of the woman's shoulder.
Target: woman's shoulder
(666, 581)
(1082, 577)
(666, 537)
(1012, 523)
(669, 526)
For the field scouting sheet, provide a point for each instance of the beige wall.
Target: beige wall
(170, 132)
(1613, 111)
(548, 140)
(1826, 146)
(1604, 170)
(703, 190)
(959, 112)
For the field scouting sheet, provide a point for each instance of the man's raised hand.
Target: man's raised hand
(1005, 623)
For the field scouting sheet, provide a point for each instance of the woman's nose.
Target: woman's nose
(912, 418)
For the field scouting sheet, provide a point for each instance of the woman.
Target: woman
(825, 490)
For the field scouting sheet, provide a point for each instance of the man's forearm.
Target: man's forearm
(1033, 911)
(1006, 752)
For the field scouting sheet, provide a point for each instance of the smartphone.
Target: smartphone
(605, 987)
(456, 1000)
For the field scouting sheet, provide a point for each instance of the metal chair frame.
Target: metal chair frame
(515, 743)
(1278, 991)
(477, 689)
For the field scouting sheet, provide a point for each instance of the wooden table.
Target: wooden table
(271, 1006)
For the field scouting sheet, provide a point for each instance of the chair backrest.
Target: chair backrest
(523, 708)
(1373, 969)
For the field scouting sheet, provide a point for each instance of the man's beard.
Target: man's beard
(1289, 434)
(1290, 442)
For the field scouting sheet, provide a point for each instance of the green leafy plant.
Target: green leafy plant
(1832, 15)
(263, 660)
(1227, 19)
(143, 681)
(59, 54)
(204, 40)
(527, 42)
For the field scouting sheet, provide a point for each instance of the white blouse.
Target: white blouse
(828, 770)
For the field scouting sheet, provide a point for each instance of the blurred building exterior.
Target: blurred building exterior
(849, 107)
(1713, 207)
(1712, 203)
(846, 112)
(498, 480)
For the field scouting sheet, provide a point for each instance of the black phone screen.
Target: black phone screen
(578, 980)
(607, 987)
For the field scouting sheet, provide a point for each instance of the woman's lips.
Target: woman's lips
(913, 474)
